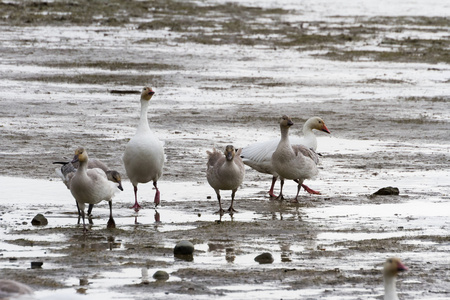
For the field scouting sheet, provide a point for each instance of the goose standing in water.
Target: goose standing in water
(258, 156)
(225, 172)
(144, 153)
(91, 186)
(390, 271)
(68, 169)
(295, 162)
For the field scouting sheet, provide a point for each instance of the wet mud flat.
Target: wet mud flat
(224, 73)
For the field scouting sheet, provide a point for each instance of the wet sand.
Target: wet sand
(227, 81)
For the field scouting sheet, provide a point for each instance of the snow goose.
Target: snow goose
(11, 289)
(68, 169)
(293, 162)
(91, 186)
(225, 172)
(391, 268)
(144, 153)
(258, 156)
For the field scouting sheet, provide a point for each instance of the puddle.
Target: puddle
(215, 85)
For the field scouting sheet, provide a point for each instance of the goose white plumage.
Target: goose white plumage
(225, 172)
(91, 186)
(293, 162)
(258, 156)
(391, 268)
(144, 153)
(67, 171)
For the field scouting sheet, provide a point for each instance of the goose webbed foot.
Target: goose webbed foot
(310, 190)
(272, 195)
(280, 197)
(231, 210)
(220, 212)
(136, 207)
(111, 223)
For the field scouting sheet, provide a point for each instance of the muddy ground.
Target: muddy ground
(223, 74)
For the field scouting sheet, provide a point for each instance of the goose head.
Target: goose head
(317, 123)
(286, 122)
(147, 93)
(114, 176)
(392, 266)
(80, 155)
(229, 152)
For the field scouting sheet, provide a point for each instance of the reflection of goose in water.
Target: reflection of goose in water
(220, 247)
(259, 155)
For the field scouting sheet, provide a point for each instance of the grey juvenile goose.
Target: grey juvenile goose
(258, 156)
(225, 171)
(294, 162)
(91, 186)
(68, 169)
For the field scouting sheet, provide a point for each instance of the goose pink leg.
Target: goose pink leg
(136, 205)
(157, 195)
(271, 194)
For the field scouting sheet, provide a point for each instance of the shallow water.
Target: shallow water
(389, 123)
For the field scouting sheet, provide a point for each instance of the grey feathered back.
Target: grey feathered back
(214, 157)
(308, 152)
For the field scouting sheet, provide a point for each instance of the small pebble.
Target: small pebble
(184, 248)
(39, 219)
(386, 191)
(36, 264)
(161, 275)
(265, 258)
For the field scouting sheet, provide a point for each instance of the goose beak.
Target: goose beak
(290, 123)
(151, 92)
(229, 156)
(401, 267)
(75, 159)
(120, 186)
(325, 129)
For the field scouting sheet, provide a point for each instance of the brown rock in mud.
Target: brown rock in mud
(184, 248)
(387, 191)
(161, 275)
(265, 258)
(39, 219)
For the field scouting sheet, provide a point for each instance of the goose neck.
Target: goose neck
(83, 166)
(307, 130)
(285, 134)
(390, 292)
(143, 121)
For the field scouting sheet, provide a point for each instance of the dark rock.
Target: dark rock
(265, 258)
(387, 191)
(161, 275)
(84, 281)
(39, 219)
(36, 264)
(184, 248)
